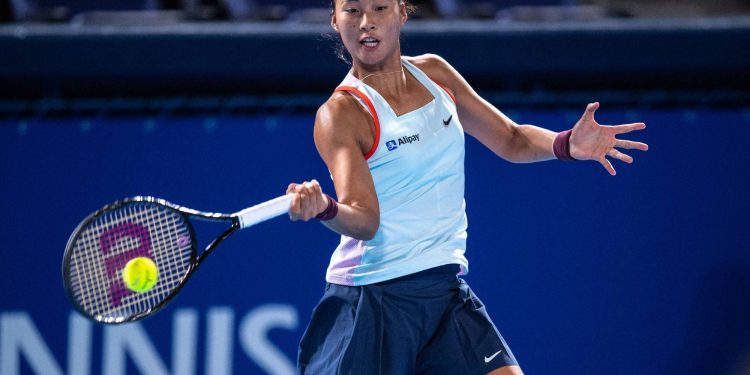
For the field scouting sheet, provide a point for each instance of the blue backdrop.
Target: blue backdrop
(647, 272)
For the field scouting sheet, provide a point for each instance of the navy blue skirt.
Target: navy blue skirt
(429, 322)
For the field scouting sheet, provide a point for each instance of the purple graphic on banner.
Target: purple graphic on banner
(116, 262)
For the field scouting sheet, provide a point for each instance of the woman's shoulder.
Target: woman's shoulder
(339, 102)
(436, 67)
(340, 106)
(342, 120)
(427, 59)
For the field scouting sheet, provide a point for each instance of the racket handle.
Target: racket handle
(264, 211)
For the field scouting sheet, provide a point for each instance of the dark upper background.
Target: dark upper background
(210, 105)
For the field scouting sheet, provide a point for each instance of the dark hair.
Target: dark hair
(409, 8)
(339, 48)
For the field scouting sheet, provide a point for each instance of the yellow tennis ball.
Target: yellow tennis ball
(140, 274)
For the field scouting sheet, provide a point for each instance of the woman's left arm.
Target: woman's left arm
(527, 143)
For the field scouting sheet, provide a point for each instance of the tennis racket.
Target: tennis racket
(106, 240)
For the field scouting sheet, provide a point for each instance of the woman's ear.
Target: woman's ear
(333, 23)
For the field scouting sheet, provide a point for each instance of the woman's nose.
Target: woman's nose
(367, 24)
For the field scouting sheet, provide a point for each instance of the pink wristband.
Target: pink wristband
(561, 145)
(330, 211)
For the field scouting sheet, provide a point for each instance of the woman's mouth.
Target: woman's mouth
(369, 42)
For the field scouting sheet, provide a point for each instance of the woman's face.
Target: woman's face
(369, 29)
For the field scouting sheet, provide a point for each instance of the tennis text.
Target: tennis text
(130, 343)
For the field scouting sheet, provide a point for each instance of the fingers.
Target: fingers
(590, 110)
(620, 156)
(294, 207)
(306, 200)
(627, 128)
(608, 166)
(630, 145)
(617, 155)
(302, 191)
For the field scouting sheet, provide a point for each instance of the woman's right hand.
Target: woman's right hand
(308, 200)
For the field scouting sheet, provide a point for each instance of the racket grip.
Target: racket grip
(264, 211)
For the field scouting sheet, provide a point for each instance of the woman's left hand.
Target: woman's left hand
(592, 141)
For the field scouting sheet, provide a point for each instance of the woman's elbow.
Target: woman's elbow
(365, 235)
(368, 230)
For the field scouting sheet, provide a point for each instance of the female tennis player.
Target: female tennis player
(392, 136)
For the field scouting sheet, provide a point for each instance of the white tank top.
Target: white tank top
(417, 164)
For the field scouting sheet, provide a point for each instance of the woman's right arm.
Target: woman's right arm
(342, 135)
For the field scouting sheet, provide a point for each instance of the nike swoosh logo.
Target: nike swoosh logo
(488, 359)
(448, 121)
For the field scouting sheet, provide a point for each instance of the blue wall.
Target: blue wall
(647, 272)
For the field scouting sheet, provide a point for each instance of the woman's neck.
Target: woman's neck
(387, 79)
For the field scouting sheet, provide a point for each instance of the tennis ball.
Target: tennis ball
(140, 274)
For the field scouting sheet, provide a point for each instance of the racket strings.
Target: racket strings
(106, 244)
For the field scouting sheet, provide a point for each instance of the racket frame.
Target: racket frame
(195, 258)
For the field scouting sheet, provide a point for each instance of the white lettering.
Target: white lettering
(219, 341)
(21, 344)
(132, 339)
(254, 336)
(79, 345)
(184, 341)
(21, 338)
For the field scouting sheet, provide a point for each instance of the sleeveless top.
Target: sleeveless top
(417, 165)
